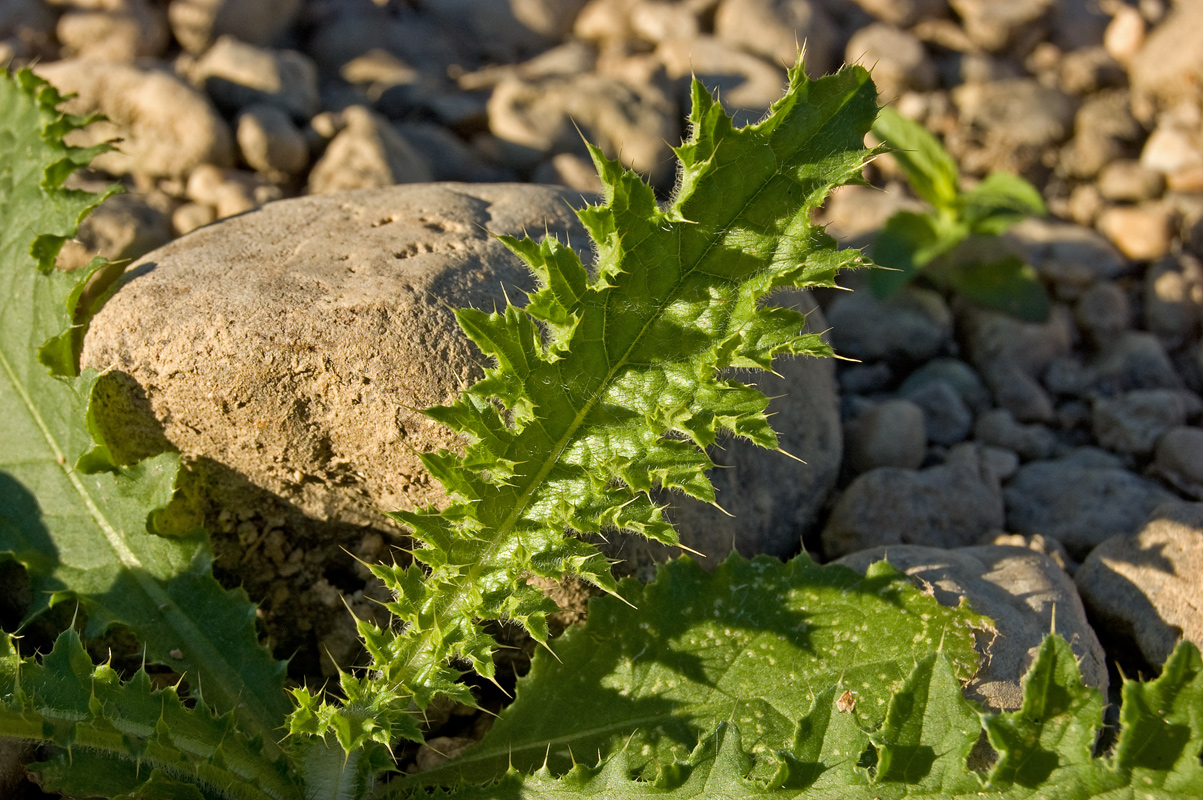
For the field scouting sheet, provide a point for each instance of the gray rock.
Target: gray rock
(864, 379)
(289, 349)
(913, 325)
(1080, 504)
(904, 13)
(507, 29)
(124, 227)
(890, 434)
(535, 119)
(1071, 257)
(898, 60)
(992, 337)
(1129, 181)
(1026, 593)
(1133, 422)
(1173, 299)
(952, 505)
(1018, 392)
(167, 128)
(775, 29)
(771, 499)
(999, 428)
(947, 419)
(1169, 67)
(450, 159)
(270, 143)
(1019, 113)
(1103, 312)
(1148, 587)
(1133, 360)
(1104, 130)
(122, 31)
(957, 374)
(236, 74)
(198, 23)
(27, 30)
(1077, 24)
(367, 154)
(993, 25)
(1178, 460)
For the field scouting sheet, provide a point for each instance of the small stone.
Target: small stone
(775, 29)
(863, 379)
(1081, 504)
(191, 216)
(1147, 587)
(571, 170)
(125, 31)
(1173, 299)
(947, 419)
(993, 25)
(1018, 392)
(999, 428)
(1169, 66)
(1129, 181)
(123, 227)
(1134, 421)
(509, 29)
(890, 434)
(1070, 257)
(229, 191)
(951, 505)
(1125, 35)
(1018, 113)
(270, 143)
(450, 158)
(1102, 312)
(198, 23)
(1133, 360)
(957, 374)
(992, 337)
(904, 13)
(1026, 594)
(1085, 203)
(914, 324)
(1142, 233)
(1171, 149)
(1178, 460)
(898, 59)
(367, 154)
(1089, 70)
(167, 128)
(236, 74)
(748, 82)
(657, 21)
(1104, 130)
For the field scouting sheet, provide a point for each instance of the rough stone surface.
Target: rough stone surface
(1000, 429)
(166, 127)
(1148, 587)
(1078, 502)
(1178, 460)
(1023, 591)
(951, 505)
(292, 347)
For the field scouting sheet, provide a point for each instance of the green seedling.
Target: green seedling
(955, 243)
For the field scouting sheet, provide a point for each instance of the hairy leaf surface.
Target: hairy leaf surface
(609, 382)
(81, 525)
(922, 749)
(753, 644)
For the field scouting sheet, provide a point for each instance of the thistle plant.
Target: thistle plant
(607, 385)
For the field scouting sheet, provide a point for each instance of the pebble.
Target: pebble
(1017, 113)
(999, 428)
(123, 31)
(1147, 587)
(889, 434)
(993, 25)
(1018, 392)
(915, 324)
(947, 419)
(1129, 181)
(367, 154)
(1142, 233)
(956, 373)
(509, 29)
(1079, 502)
(1103, 312)
(747, 82)
(167, 127)
(898, 60)
(124, 227)
(992, 337)
(1171, 149)
(1026, 594)
(951, 505)
(1169, 66)
(1178, 460)
(1070, 257)
(1133, 422)
(774, 30)
(236, 74)
(198, 23)
(1173, 299)
(1132, 360)
(1125, 35)
(270, 143)
(1104, 130)
(904, 13)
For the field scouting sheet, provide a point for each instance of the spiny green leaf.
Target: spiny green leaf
(83, 526)
(607, 384)
(124, 731)
(753, 643)
(921, 750)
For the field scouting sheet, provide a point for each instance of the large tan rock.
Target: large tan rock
(289, 351)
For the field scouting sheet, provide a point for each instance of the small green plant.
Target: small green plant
(955, 243)
(605, 386)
